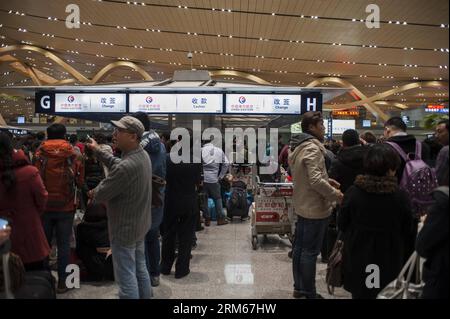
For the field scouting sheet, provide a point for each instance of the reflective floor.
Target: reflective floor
(224, 265)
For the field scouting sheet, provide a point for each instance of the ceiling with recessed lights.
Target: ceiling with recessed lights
(284, 42)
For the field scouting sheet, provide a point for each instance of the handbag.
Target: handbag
(402, 288)
(157, 195)
(334, 277)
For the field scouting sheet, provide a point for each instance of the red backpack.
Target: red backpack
(59, 177)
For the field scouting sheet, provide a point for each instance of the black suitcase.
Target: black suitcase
(237, 205)
(38, 285)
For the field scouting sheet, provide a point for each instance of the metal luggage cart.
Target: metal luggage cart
(272, 212)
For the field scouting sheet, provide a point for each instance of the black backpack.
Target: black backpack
(237, 204)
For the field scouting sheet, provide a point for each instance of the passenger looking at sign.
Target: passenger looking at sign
(127, 193)
(313, 199)
(152, 144)
(215, 167)
(62, 173)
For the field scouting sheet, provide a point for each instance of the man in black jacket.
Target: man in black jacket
(344, 168)
(395, 131)
(349, 161)
(433, 244)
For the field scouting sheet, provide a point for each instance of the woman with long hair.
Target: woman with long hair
(22, 201)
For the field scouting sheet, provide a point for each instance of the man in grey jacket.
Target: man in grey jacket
(215, 167)
(313, 198)
(127, 193)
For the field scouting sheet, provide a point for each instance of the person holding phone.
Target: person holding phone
(4, 233)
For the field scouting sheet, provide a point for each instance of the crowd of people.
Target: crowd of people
(368, 197)
(142, 209)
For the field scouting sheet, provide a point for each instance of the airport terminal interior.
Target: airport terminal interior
(362, 73)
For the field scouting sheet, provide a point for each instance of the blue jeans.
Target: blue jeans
(152, 244)
(212, 190)
(130, 271)
(62, 224)
(309, 235)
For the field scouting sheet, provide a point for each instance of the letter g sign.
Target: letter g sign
(45, 102)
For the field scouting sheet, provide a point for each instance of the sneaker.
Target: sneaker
(244, 219)
(221, 222)
(154, 281)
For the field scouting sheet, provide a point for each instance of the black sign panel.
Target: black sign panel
(311, 102)
(45, 102)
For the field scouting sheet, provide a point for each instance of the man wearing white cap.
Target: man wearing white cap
(127, 193)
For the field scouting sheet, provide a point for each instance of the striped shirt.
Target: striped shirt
(127, 193)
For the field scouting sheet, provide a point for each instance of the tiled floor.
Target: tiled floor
(224, 265)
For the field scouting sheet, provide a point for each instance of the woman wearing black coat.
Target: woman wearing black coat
(375, 219)
(433, 244)
(180, 214)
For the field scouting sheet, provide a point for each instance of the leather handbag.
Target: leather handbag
(334, 276)
(401, 287)
(157, 195)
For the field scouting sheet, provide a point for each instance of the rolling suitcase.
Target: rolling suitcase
(33, 284)
(237, 204)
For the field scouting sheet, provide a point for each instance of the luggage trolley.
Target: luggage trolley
(272, 211)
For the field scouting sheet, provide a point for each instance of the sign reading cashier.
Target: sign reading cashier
(199, 103)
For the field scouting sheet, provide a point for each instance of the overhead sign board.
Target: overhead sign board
(199, 103)
(288, 104)
(50, 102)
(153, 103)
(436, 109)
(178, 101)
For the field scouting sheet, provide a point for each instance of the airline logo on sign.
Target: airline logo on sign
(244, 103)
(156, 103)
(72, 104)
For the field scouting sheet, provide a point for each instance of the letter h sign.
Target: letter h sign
(311, 102)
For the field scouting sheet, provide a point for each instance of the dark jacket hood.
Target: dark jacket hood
(352, 156)
(377, 184)
(298, 139)
(151, 142)
(403, 139)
